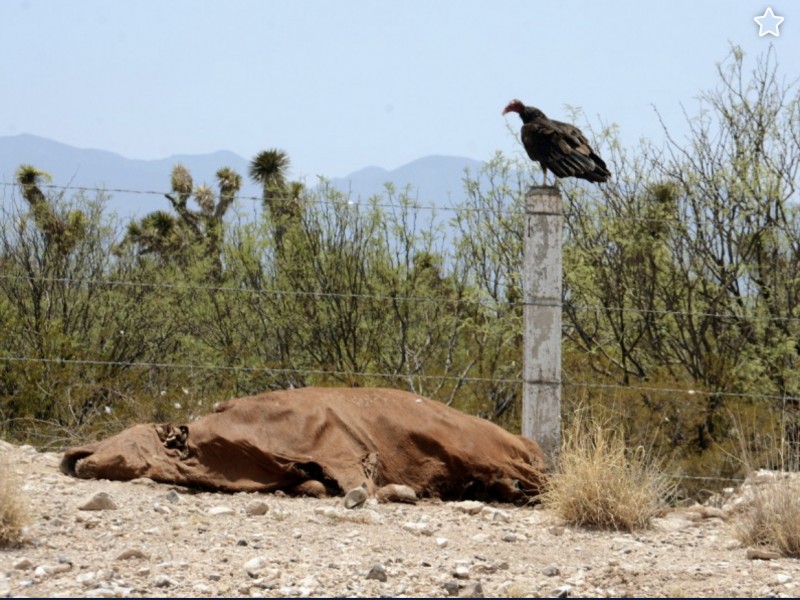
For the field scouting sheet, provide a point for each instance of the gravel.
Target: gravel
(146, 539)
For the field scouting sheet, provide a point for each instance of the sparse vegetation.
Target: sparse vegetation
(13, 509)
(770, 514)
(602, 483)
(772, 517)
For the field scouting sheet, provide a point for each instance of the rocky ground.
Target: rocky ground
(148, 539)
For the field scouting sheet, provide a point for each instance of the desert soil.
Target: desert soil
(164, 540)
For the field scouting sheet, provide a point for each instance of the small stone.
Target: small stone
(377, 572)
(510, 538)
(419, 528)
(759, 554)
(201, 588)
(562, 591)
(254, 564)
(101, 592)
(165, 581)
(131, 553)
(441, 542)
(395, 492)
(100, 501)
(311, 488)
(355, 497)
(497, 515)
(172, 496)
(221, 510)
(256, 508)
(452, 588)
(556, 530)
(461, 572)
(86, 579)
(550, 571)
(782, 578)
(471, 507)
(214, 576)
(161, 509)
(472, 591)
(23, 564)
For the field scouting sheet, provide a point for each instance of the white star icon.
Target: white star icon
(768, 23)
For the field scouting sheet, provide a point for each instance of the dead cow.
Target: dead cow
(324, 441)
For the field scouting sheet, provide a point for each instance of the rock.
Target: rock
(312, 488)
(45, 570)
(131, 553)
(102, 592)
(85, 579)
(556, 530)
(550, 571)
(23, 564)
(164, 581)
(256, 508)
(782, 578)
(173, 497)
(472, 591)
(217, 511)
(471, 507)
(461, 572)
(562, 591)
(510, 537)
(355, 497)
(496, 514)
(215, 576)
(395, 492)
(441, 542)
(419, 528)
(377, 572)
(452, 588)
(161, 509)
(100, 501)
(760, 554)
(255, 564)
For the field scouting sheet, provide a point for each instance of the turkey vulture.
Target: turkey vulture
(558, 146)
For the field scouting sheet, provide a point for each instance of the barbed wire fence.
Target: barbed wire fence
(683, 395)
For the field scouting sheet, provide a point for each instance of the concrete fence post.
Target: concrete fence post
(541, 393)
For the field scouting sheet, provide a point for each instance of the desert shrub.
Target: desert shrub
(769, 513)
(772, 517)
(603, 483)
(13, 509)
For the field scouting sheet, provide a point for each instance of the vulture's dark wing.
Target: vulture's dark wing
(563, 149)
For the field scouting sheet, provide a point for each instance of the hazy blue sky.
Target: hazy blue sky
(341, 85)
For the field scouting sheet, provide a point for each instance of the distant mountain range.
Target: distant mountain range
(434, 180)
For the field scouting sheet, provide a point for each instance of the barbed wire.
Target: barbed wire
(393, 376)
(265, 370)
(394, 298)
(370, 201)
(357, 202)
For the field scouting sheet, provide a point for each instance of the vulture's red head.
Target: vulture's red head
(514, 106)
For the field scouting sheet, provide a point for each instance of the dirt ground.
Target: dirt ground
(162, 540)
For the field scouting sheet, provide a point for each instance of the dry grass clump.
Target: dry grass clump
(13, 510)
(602, 483)
(769, 500)
(772, 517)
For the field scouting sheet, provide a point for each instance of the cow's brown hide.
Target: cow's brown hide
(337, 437)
